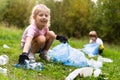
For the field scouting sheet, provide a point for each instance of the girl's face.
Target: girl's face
(93, 38)
(41, 19)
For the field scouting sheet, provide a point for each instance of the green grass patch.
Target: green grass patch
(52, 71)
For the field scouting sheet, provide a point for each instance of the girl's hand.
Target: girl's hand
(22, 58)
(61, 38)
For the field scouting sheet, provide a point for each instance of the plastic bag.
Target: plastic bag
(91, 49)
(60, 53)
(68, 56)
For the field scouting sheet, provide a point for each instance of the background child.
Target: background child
(95, 39)
(37, 38)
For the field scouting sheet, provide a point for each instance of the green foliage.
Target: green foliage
(3, 6)
(66, 21)
(73, 18)
(105, 19)
(111, 20)
(17, 12)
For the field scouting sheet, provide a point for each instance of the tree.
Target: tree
(69, 17)
(106, 19)
(17, 12)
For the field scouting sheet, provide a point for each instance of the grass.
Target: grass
(52, 71)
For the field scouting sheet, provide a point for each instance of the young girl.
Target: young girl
(95, 39)
(37, 38)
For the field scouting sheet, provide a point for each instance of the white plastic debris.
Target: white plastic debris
(95, 64)
(3, 71)
(73, 74)
(97, 72)
(86, 71)
(3, 59)
(34, 65)
(83, 72)
(91, 55)
(106, 78)
(101, 59)
(6, 46)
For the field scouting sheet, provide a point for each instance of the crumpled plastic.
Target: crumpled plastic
(76, 57)
(37, 66)
(3, 71)
(102, 59)
(91, 49)
(6, 46)
(3, 60)
(84, 72)
(67, 55)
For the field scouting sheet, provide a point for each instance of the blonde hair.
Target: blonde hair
(36, 9)
(93, 33)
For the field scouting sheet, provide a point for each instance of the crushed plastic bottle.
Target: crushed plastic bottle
(34, 65)
(3, 59)
(38, 66)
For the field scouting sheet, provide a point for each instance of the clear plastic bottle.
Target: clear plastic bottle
(3, 59)
(38, 66)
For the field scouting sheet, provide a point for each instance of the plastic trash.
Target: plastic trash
(37, 66)
(34, 65)
(95, 64)
(6, 46)
(86, 72)
(3, 71)
(101, 59)
(97, 72)
(3, 59)
(91, 49)
(20, 66)
(73, 74)
(67, 55)
(83, 72)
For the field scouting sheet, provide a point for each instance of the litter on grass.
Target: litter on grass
(6, 46)
(84, 72)
(3, 71)
(91, 49)
(68, 56)
(76, 57)
(37, 66)
(72, 57)
(102, 59)
(3, 60)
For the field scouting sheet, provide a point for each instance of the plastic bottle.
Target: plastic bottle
(38, 66)
(3, 59)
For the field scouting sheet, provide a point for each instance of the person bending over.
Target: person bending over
(37, 38)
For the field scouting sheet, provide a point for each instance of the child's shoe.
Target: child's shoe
(31, 57)
(44, 55)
